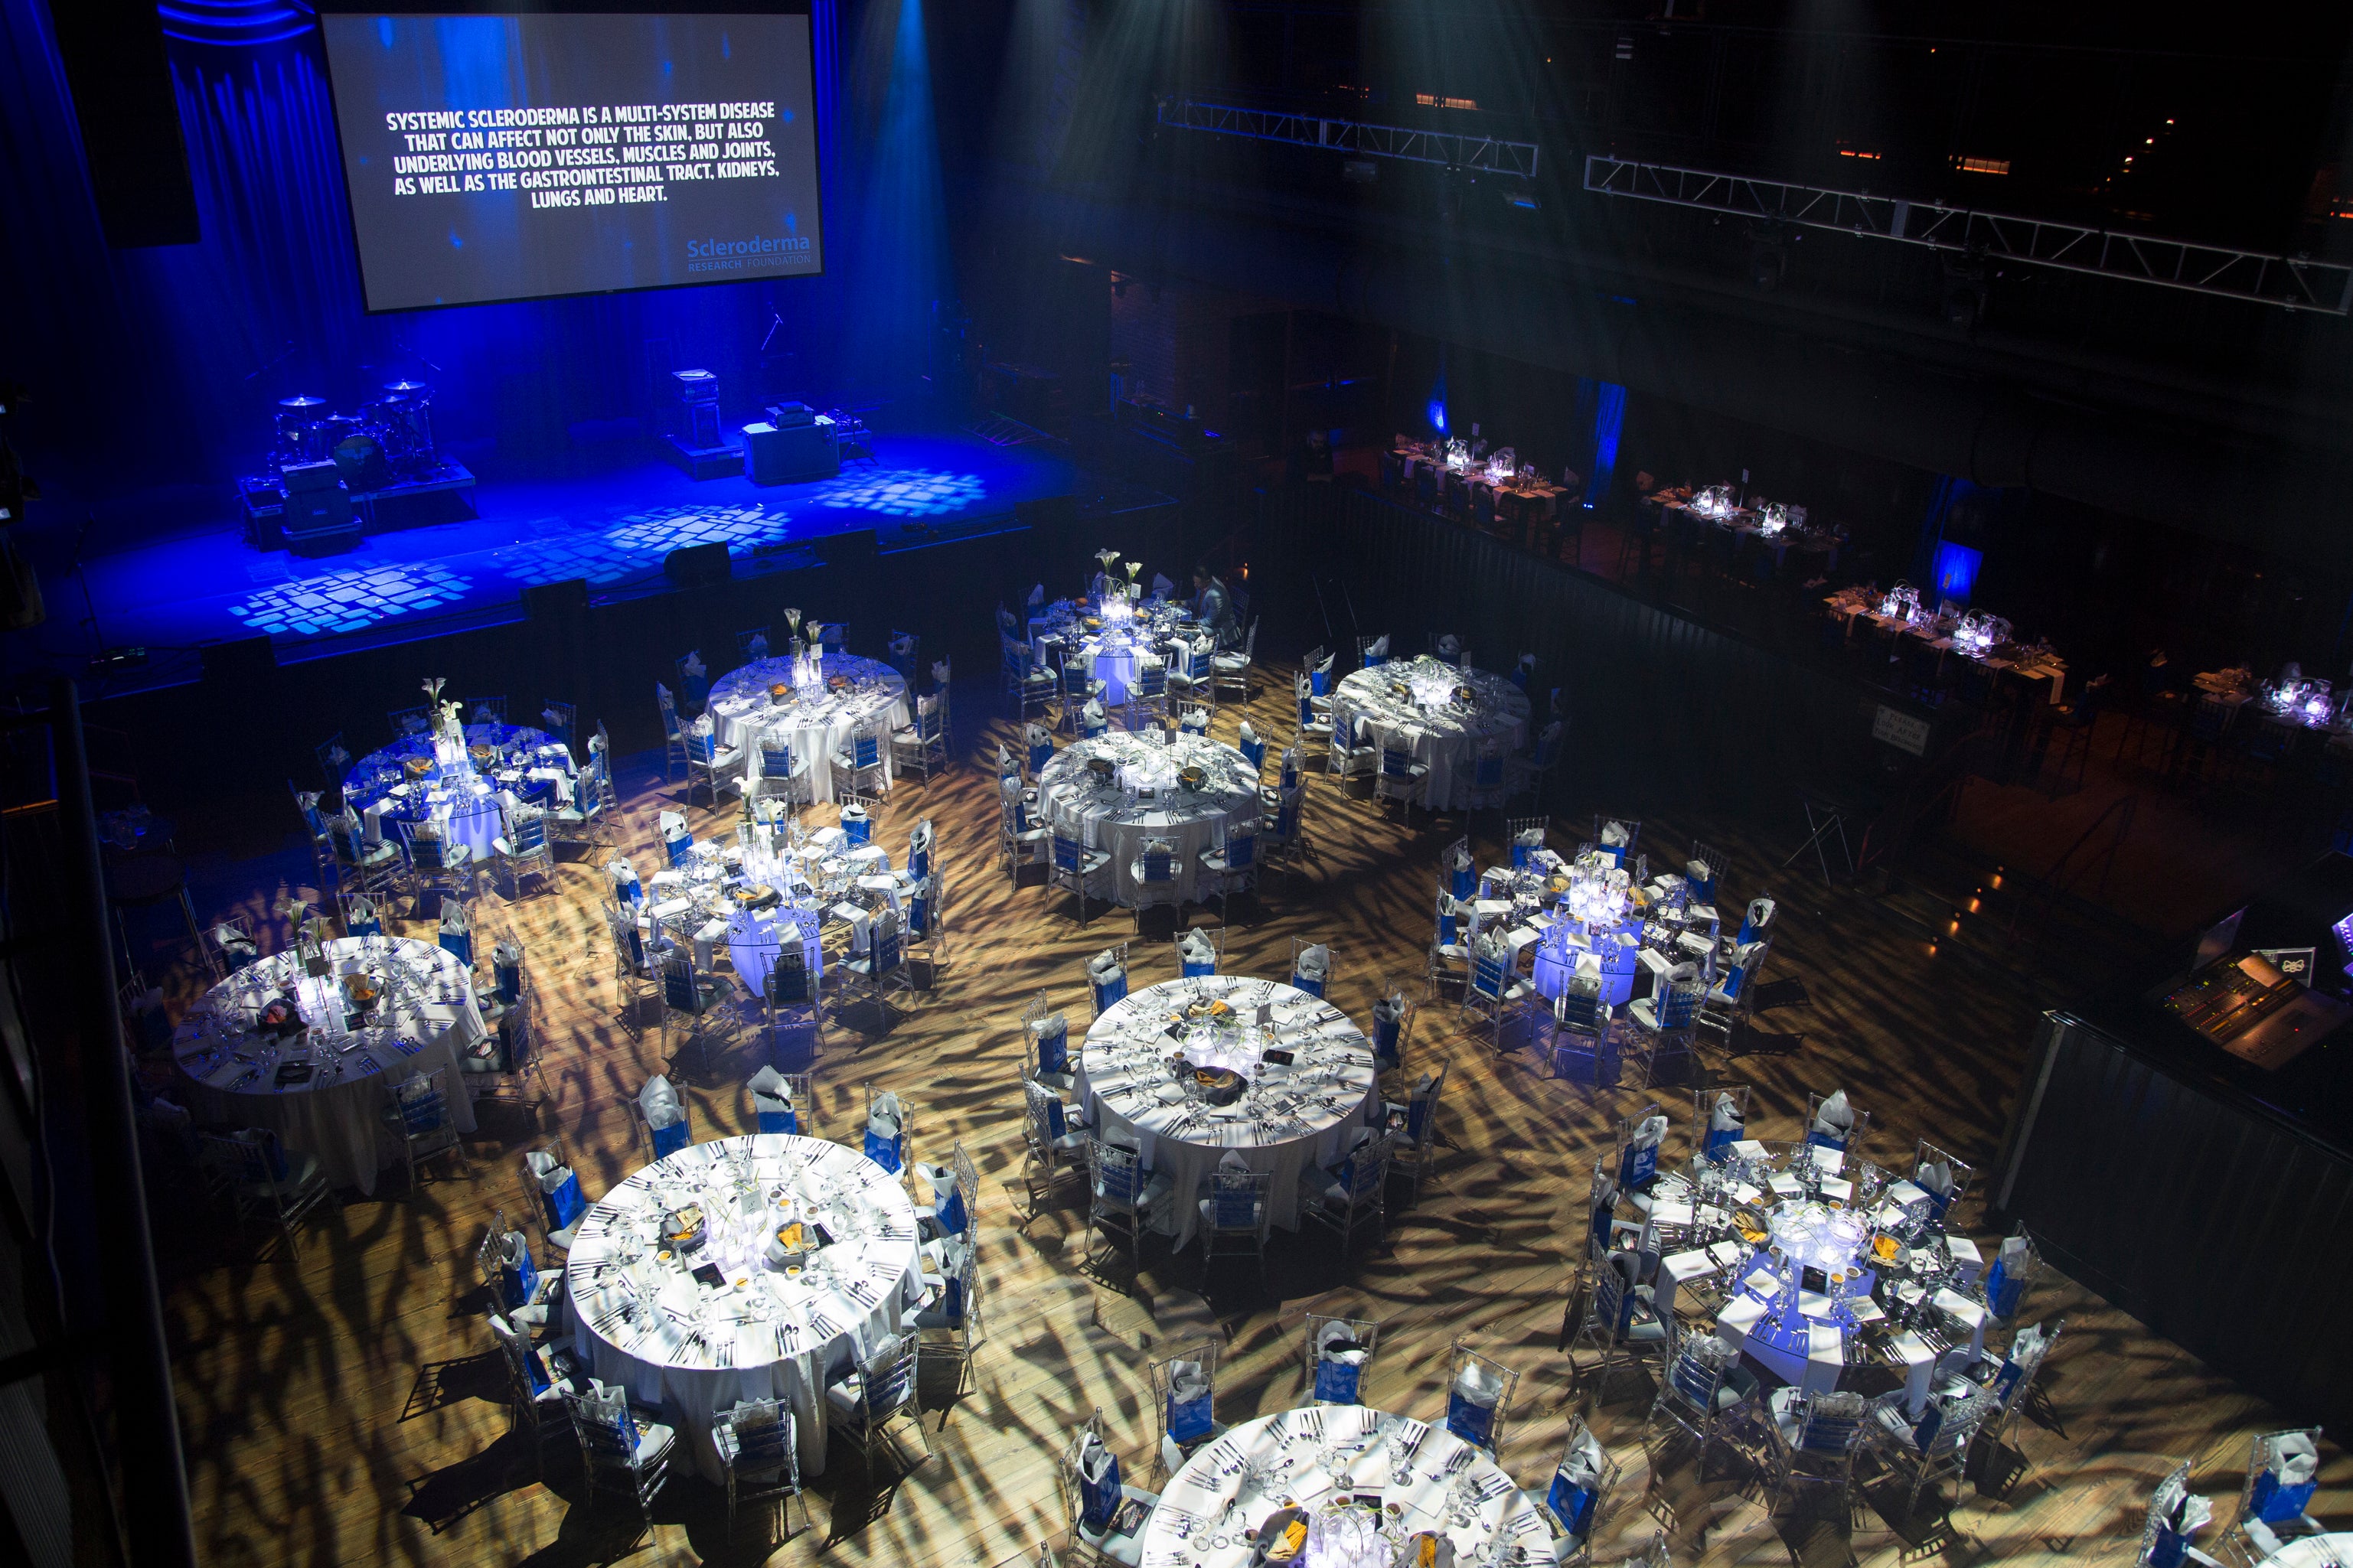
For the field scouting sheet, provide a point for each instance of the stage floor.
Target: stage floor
(612, 527)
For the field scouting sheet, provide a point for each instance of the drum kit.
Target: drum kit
(390, 440)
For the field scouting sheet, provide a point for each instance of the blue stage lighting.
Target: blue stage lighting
(234, 23)
(904, 492)
(351, 600)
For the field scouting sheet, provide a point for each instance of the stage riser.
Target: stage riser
(605, 657)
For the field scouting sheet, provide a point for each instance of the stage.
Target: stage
(205, 584)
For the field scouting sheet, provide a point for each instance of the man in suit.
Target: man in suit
(1213, 606)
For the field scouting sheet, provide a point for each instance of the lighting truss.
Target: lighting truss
(1353, 136)
(2288, 283)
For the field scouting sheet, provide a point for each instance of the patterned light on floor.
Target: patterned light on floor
(350, 600)
(903, 492)
(637, 543)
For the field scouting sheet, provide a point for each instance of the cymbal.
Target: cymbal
(406, 388)
(301, 403)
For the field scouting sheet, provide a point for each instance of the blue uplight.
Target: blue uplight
(1608, 425)
(1956, 574)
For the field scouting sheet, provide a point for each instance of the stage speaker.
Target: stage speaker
(1047, 512)
(851, 549)
(113, 51)
(244, 662)
(550, 601)
(697, 566)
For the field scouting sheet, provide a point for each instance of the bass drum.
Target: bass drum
(361, 460)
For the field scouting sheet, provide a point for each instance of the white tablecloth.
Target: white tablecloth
(1260, 1463)
(469, 805)
(1110, 650)
(691, 1350)
(815, 726)
(2326, 1551)
(231, 1074)
(1288, 1117)
(820, 880)
(1445, 738)
(1100, 817)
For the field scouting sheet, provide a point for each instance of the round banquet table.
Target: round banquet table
(2330, 1551)
(1805, 1336)
(1100, 815)
(706, 900)
(530, 764)
(692, 1350)
(1110, 651)
(1432, 1477)
(429, 1017)
(1446, 738)
(816, 725)
(1288, 1117)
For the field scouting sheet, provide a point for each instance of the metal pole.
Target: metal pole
(154, 1480)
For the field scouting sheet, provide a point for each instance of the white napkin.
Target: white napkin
(1725, 1117)
(692, 663)
(1380, 647)
(1584, 1462)
(1038, 594)
(1334, 1342)
(453, 920)
(1186, 1382)
(2293, 1458)
(1613, 835)
(1316, 960)
(1834, 1118)
(1161, 586)
(884, 1117)
(1479, 1386)
(768, 1086)
(1450, 644)
(1198, 949)
(1249, 735)
(940, 673)
(659, 1103)
(1650, 1133)
(1104, 963)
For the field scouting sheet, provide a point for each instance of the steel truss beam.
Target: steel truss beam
(1364, 140)
(2289, 282)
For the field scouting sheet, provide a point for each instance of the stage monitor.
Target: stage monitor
(499, 156)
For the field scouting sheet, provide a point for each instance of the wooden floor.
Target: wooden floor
(344, 1407)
